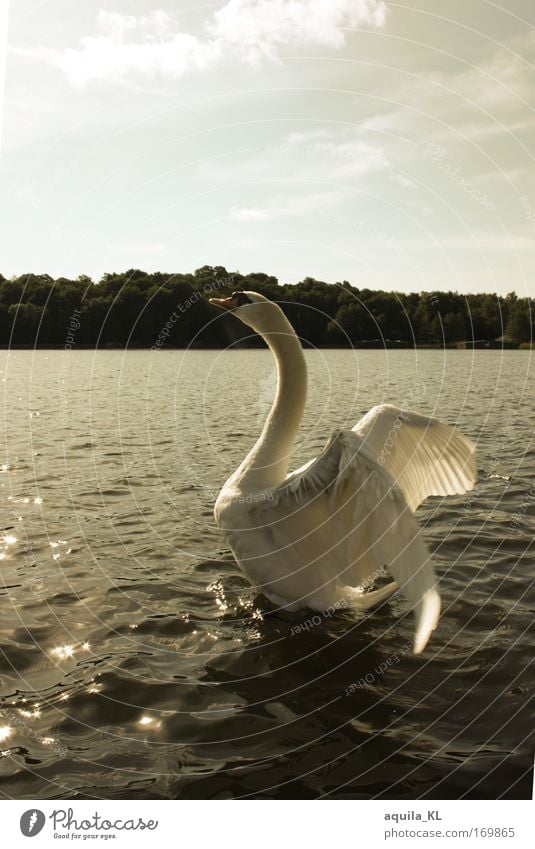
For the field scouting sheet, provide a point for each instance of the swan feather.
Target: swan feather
(424, 456)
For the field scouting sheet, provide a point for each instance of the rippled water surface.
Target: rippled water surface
(136, 660)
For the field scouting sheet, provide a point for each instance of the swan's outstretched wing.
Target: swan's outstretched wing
(366, 520)
(423, 455)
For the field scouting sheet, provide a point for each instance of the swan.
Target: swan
(316, 537)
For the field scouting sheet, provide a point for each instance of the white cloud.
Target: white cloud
(155, 24)
(128, 48)
(406, 182)
(249, 213)
(244, 30)
(477, 100)
(260, 27)
(291, 207)
(337, 154)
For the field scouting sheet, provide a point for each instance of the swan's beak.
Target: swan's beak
(224, 303)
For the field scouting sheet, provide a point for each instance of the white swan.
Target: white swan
(314, 537)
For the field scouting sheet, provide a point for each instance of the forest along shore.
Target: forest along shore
(136, 309)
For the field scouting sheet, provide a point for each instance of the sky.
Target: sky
(387, 144)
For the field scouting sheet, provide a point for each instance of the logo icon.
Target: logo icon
(31, 822)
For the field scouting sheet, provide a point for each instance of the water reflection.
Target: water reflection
(143, 664)
(5, 732)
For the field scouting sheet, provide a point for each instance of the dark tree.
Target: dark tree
(135, 308)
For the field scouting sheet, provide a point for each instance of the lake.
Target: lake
(137, 662)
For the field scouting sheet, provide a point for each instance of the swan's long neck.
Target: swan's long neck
(266, 465)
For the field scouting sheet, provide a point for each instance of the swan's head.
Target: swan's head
(253, 309)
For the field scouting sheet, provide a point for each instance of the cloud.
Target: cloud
(291, 207)
(480, 100)
(337, 153)
(147, 46)
(155, 24)
(129, 47)
(260, 27)
(406, 182)
(248, 213)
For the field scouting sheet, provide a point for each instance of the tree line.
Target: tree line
(147, 310)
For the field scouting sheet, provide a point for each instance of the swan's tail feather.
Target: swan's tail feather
(427, 614)
(365, 601)
(408, 560)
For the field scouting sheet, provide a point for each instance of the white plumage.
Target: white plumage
(315, 537)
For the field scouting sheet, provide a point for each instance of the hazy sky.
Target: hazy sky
(390, 145)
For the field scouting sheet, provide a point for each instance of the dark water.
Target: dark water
(136, 660)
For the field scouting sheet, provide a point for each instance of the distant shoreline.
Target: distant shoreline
(364, 346)
(140, 310)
